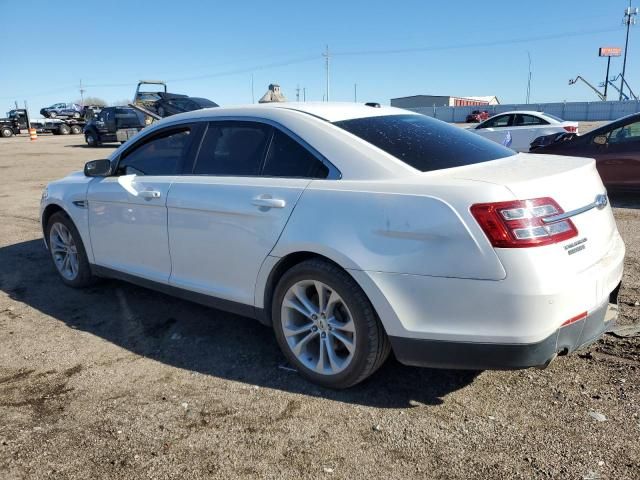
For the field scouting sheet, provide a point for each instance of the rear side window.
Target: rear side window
(287, 158)
(163, 155)
(236, 149)
(424, 143)
(523, 120)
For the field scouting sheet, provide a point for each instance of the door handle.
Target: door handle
(268, 202)
(149, 194)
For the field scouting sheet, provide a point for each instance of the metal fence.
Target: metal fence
(575, 111)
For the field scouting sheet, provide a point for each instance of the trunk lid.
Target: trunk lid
(573, 182)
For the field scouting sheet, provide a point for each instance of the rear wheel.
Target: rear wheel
(326, 326)
(53, 114)
(76, 129)
(64, 129)
(6, 132)
(67, 251)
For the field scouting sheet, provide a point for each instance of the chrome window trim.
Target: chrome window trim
(600, 202)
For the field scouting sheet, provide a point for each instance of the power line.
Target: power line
(493, 43)
(326, 55)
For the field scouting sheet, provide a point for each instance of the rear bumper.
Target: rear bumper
(506, 356)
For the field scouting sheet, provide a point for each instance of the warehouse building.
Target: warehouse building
(421, 101)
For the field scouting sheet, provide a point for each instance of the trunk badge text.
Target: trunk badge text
(578, 245)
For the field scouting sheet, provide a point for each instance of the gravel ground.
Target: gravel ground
(122, 382)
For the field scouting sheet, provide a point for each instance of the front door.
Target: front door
(618, 161)
(127, 211)
(226, 218)
(497, 129)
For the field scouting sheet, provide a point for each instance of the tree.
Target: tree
(120, 103)
(92, 101)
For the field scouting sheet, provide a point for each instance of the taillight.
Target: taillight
(519, 223)
(571, 129)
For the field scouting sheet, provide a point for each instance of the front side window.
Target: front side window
(523, 120)
(232, 148)
(162, 155)
(424, 143)
(627, 133)
(497, 122)
(287, 158)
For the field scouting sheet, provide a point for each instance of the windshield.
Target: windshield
(424, 143)
(204, 102)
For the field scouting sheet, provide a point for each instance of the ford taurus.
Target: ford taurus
(352, 230)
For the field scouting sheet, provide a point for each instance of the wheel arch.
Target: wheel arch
(46, 215)
(274, 268)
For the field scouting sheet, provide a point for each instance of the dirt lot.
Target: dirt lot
(121, 382)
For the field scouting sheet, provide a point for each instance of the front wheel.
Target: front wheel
(326, 326)
(53, 114)
(67, 251)
(92, 139)
(6, 132)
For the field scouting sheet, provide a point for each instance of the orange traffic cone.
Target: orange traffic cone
(33, 134)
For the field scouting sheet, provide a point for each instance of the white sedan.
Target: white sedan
(518, 129)
(352, 230)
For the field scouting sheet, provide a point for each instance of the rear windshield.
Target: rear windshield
(557, 119)
(129, 117)
(424, 143)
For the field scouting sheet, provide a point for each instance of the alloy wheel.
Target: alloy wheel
(318, 327)
(64, 251)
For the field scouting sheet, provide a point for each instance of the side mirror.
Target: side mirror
(97, 168)
(600, 140)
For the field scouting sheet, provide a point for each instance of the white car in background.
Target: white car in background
(352, 230)
(518, 129)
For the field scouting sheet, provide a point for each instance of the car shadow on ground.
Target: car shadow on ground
(103, 145)
(197, 338)
(624, 199)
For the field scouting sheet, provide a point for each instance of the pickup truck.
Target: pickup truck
(113, 124)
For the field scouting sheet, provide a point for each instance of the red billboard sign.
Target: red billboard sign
(609, 51)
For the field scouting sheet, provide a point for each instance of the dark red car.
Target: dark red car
(615, 147)
(477, 116)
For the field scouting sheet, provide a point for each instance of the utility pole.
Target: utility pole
(304, 94)
(298, 93)
(629, 19)
(355, 92)
(529, 81)
(82, 90)
(253, 97)
(606, 78)
(326, 64)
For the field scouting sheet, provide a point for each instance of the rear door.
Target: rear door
(127, 211)
(496, 128)
(527, 128)
(227, 216)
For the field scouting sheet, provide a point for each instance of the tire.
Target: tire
(352, 318)
(76, 115)
(6, 132)
(92, 139)
(52, 115)
(76, 129)
(64, 129)
(81, 276)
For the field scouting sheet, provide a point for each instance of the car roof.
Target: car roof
(329, 111)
